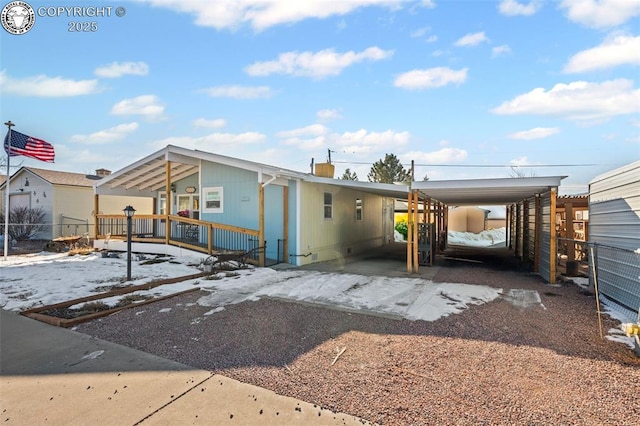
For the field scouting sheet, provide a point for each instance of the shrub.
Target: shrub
(24, 223)
(402, 228)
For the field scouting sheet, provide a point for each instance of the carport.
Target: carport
(531, 215)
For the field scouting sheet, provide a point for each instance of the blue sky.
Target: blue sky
(456, 86)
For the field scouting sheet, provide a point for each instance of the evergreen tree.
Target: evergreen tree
(349, 175)
(389, 170)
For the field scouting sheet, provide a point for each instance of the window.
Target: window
(358, 208)
(328, 205)
(162, 203)
(213, 200)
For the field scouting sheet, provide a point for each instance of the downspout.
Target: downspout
(298, 214)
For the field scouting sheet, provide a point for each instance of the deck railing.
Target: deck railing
(198, 235)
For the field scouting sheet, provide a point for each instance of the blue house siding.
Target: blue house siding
(240, 195)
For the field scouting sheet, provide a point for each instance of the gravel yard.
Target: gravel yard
(495, 363)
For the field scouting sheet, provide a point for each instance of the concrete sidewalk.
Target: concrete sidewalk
(57, 376)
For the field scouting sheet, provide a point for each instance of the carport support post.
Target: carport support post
(409, 232)
(167, 183)
(536, 238)
(261, 243)
(508, 220)
(96, 206)
(568, 222)
(553, 261)
(416, 201)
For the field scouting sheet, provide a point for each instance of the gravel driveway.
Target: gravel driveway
(496, 363)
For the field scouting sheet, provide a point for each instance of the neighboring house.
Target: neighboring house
(614, 235)
(467, 219)
(66, 199)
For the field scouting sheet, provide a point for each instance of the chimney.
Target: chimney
(103, 172)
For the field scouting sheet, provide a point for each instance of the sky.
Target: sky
(40, 279)
(457, 87)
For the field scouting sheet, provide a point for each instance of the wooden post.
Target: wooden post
(167, 183)
(96, 210)
(285, 223)
(518, 210)
(536, 240)
(446, 224)
(568, 221)
(553, 261)
(416, 201)
(429, 233)
(261, 242)
(409, 232)
(525, 230)
(437, 206)
(508, 223)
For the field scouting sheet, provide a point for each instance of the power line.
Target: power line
(477, 165)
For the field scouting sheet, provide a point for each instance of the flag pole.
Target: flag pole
(9, 124)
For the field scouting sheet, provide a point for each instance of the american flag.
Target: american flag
(29, 147)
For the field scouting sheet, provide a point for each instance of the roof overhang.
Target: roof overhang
(147, 175)
(381, 189)
(478, 192)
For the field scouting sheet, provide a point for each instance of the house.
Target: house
(66, 199)
(208, 202)
(467, 219)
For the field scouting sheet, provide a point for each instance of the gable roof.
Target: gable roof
(57, 178)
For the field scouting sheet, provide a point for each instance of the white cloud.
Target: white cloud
(579, 100)
(500, 50)
(146, 105)
(215, 123)
(118, 69)
(262, 14)
(363, 141)
(520, 161)
(212, 142)
(513, 8)
(429, 78)
(432, 39)
(442, 156)
(312, 130)
(420, 32)
(472, 39)
(316, 65)
(615, 51)
(535, 133)
(239, 92)
(601, 13)
(107, 135)
(43, 86)
(328, 115)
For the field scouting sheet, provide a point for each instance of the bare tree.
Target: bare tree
(518, 172)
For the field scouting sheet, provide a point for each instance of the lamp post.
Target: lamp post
(128, 212)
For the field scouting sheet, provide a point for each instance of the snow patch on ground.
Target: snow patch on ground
(483, 239)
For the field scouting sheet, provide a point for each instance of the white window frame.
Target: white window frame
(329, 205)
(359, 209)
(213, 195)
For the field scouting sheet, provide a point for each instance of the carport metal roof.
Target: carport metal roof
(486, 191)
